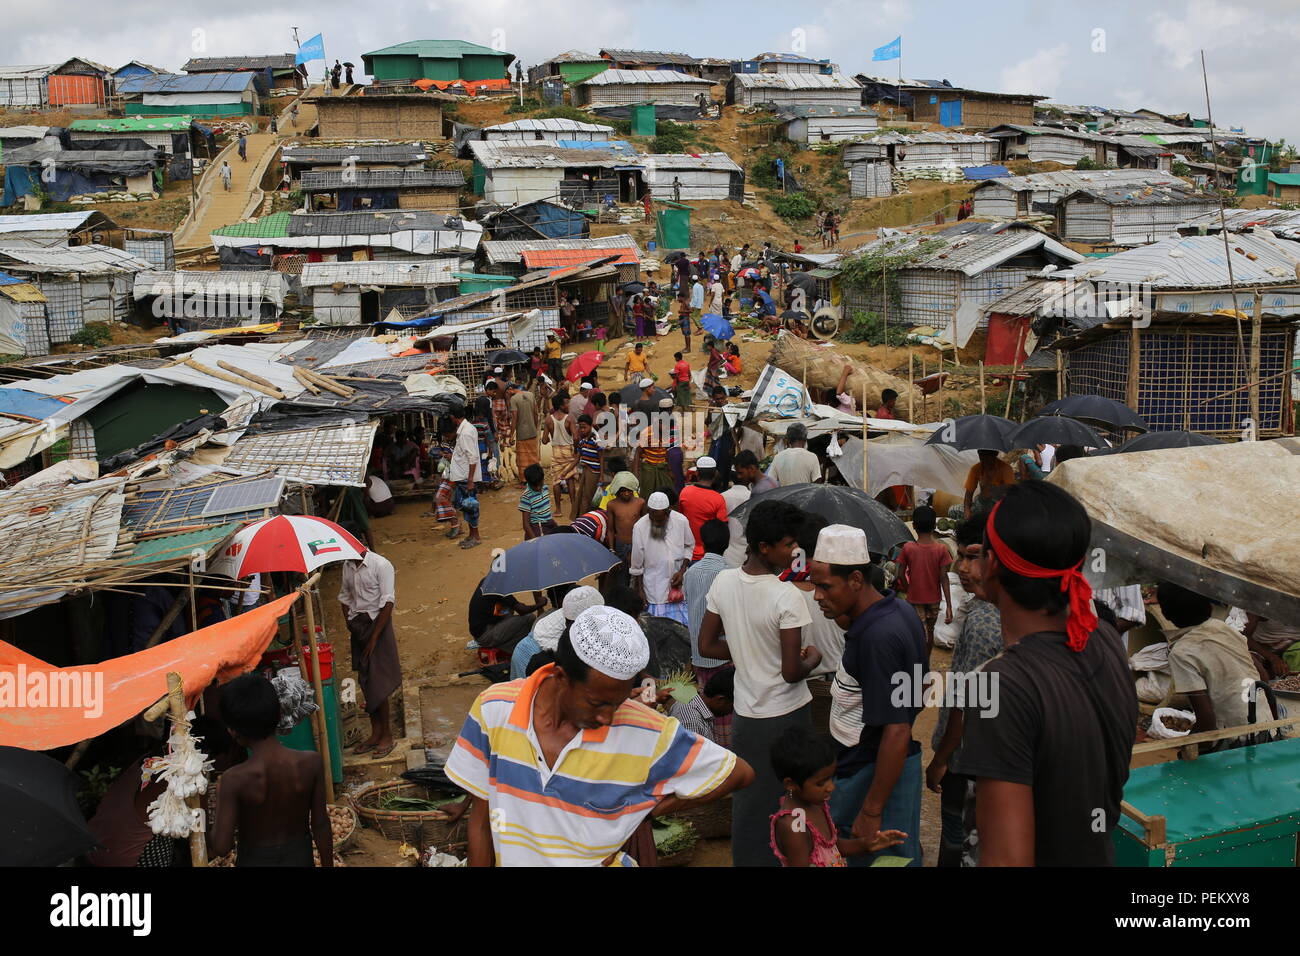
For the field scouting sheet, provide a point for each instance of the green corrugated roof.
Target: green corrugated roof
(136, 124)
(1285, 179)
(1155, 139)
(175, 547)
(274, 226)
(437, 50)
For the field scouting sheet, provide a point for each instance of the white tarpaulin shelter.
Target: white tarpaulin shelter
(898, 459)
(1217, 519)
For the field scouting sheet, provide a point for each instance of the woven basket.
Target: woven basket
(711, 820)
(344, 843)
(416, 827)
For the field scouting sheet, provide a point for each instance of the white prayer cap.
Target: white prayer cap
(584, 386)
(657, 502)
(665, 403)
(705, 462)
(646, 382)
(579, 599)
(607, 640)
(547, 631)
(498, 370)
(842, 544)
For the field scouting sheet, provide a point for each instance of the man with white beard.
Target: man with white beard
(662, 543)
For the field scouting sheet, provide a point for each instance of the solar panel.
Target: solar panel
(245, 496)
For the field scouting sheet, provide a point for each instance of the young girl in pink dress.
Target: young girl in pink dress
(803, 833)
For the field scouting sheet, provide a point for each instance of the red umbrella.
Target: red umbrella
(287, 543)
(584, 365)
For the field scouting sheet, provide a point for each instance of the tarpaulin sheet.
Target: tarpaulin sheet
(20, 403)
(900, 460)
(1217, 519)
(132, 684)
(23, 180)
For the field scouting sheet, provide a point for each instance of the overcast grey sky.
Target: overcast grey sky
(1125, 54)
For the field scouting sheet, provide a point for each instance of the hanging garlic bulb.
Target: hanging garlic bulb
(184, 769)
(170, 816)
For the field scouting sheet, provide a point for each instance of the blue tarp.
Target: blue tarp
(7, 279)
(188, 83)
(21, 403)
(991, 171)
(423, 322)
(21, 180)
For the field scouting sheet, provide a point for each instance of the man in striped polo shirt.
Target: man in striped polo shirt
(563, 766)
(591, 461)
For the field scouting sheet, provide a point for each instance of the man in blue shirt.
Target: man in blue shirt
(876, 696)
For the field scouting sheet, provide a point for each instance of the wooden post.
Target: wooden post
(983, 406)
(911, 390)
(194, 612)
(1256, 334)
(1060, 374)
(1134, 368)
(176, 708)
(864, 438)
(322, 738)
(925, 400)
(1015, 367)
(940, 392)
(806, 399)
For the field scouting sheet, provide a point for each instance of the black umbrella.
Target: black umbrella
(1054, 430)
(507, 357)
(40, 822)
(1095, 408)
(838, 504)
(547, 562)
(803, 279)
(631, 395)
(346, 63)
(632, 288)
(1152, 441)
(673, 257)
(972, 432)
(794, 315)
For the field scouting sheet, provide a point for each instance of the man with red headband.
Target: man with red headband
(1051, 757)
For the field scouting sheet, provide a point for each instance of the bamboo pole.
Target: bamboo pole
(256, 379)
(911, 389)
(940, 392)
(327, 383)
(167, 619)
(1256, 334)
(1015, 366)
(925, 399)
(323, 737)
(234, 379)
(864, 438)
(1060, 374)
(304, 381)
(194, 611)
(983, 403)
(1239, 388)
(176, 707)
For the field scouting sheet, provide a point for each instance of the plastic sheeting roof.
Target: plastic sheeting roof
(631, 77)
(553, 125)
(331, 179)
(1197, 262)
(971, 252)
(195, 83)
(511, 251)
(796, 81)
(380, 273)
(85, 260)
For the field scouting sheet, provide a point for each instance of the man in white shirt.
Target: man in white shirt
(795, 464)
(379, 498)
(763, 618)
(662, 544)
(463, 472)
(367, 595)
(578, 403)
(716, 294)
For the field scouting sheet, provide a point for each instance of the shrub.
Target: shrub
(1086, 163)
(792, 206)
(869, 327)
(92, 334)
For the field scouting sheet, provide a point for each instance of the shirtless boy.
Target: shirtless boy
(626, 510)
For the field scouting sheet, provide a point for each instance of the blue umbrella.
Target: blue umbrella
(717, 326)
(547, 562)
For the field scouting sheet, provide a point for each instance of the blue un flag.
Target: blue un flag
(313, 49)
(890, 51)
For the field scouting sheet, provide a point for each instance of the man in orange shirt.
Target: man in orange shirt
(634, 367)
(700, 503)
(985, 477)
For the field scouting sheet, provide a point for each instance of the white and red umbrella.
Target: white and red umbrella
(287, 543)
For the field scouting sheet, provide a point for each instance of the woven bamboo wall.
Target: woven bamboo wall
(352, 117)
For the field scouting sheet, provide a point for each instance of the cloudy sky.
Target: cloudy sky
(1135, 53)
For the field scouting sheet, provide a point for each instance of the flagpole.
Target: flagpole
(899, 105)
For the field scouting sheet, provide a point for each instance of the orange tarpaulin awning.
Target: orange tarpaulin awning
(102, 696)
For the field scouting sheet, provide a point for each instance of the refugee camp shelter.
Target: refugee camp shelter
(301, 159)
(538, 219)
(22, 318)
(68, 174)
(949, 275)
(80, 283)
(531, 131)
(562, 171)
(783, 63)
(572, 66)
(286, 240)
(436, 189)
(13, 137)
(1284, 186)
(189, 300)
(1039, 193)
(1130, 215)
(506, 256)
(179, 137)
(135, 68)
(1188, 360)
(651, 60)
(200, 94)
(1283, 223)
(1039, 144)
(381, 116)
(24, 87)
(77, 82)
(620, 87)
(276, 71)
(56, 229)
(923, 150)
(811, 125)
(973, 108)
(352, 293)
(435, 60)
(793, 89)
(699, 175)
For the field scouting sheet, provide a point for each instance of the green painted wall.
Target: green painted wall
(480, 67)
(440, 69)
(392, 68)
(190, 109)
(577, 72)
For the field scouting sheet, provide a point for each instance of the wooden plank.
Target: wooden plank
(1191, 740)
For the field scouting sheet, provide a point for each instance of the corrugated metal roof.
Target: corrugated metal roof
(552, 125)
(906, 139)
(365, 223)
(397, 153)
(803, 111)
(135, 124)
(90, 260)
(575, 56)
(562, 258)
(630, 77)
(438, 50)
(511, 251)
(1278, 221)
(1069, 179)
(50, 222)
(1198, 262)
(972, 248)
(25, 72)
(1156, 195)
(717, 161)
(381, 272)
(331, 179)
(1048, 131)
(194, 83)
(492, 155)
(796, 81)
(264, 284)
(650, 56)
(212, 64)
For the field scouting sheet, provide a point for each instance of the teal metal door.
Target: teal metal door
(950, 113)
